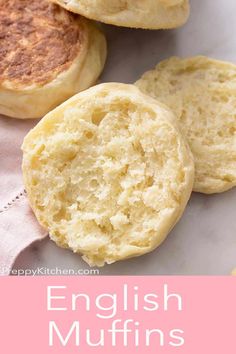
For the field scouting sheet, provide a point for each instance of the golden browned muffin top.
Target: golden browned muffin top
(38, 40)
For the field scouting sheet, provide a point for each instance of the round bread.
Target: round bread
(47, 55)
(108, 173)
(150, 14)
(202, 93)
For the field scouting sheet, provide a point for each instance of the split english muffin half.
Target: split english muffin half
(202, 94)
(108, 173)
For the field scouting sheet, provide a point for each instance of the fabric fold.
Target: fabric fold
(18, 225)
(18, 229)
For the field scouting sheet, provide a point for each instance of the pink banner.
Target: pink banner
(184, 315)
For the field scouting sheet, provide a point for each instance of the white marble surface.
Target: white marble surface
(204, 241)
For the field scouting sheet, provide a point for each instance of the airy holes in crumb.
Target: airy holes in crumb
(150, 181)
(93, 183)
(61, 215)
(89, 135)
(97, 117)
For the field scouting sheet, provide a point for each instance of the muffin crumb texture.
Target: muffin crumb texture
(108, 173)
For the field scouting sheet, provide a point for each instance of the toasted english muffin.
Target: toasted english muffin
(202, 93)
(108, 173)
(47, 55)
(149, 14)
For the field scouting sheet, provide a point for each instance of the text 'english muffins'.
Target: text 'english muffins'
(202, 93)
(108, 173)
(149, 14)
(47, 55)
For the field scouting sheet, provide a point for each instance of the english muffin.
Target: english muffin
(108, 173)
(202, 93)
(150, 14)
(47, 55)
